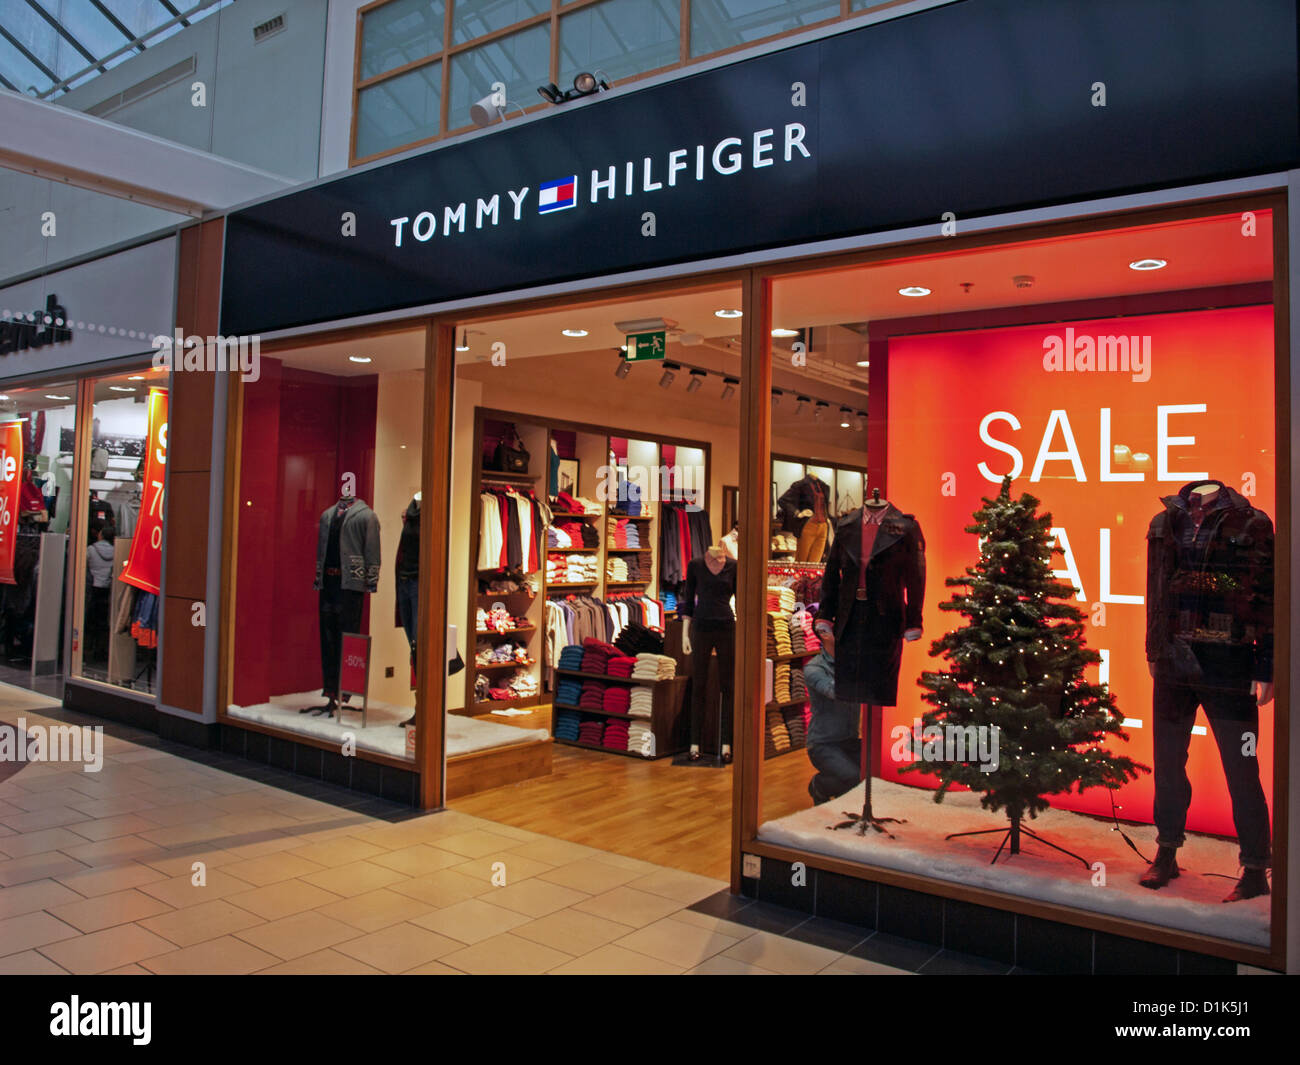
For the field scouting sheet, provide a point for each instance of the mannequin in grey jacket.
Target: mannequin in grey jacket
(358, 546)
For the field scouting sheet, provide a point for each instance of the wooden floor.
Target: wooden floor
(677, 816)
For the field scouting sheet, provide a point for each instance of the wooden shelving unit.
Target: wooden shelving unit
(665, 718)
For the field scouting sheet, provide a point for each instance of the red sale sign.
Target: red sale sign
(1099, 420)
(354, 664)
(11, 471)
(144, 565)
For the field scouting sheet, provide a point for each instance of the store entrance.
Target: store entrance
(596, 452)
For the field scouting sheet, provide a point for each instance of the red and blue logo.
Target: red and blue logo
(557, 195)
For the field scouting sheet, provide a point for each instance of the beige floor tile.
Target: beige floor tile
(115, 805)
(273, 843)
(354, 879)
(716, 924)
(179, 814)
(272, 868)
(589, 875)
(302, 933)
(573, 932)
(418, 859)
(112, 827)
(399, 947)
(342, 850)
(376, 909)
(187, 834)
(36, 895)
(44, 800)
(129, 970)
(31, 930)
(248, 824)
(534, 897)
(554, 851)
(104, 911)
(280, 900)
(323, 963)
(782, 955)
(613, 960)
(40, 842)
(523, 835)
(477, 844)
(393, 837)
(181, 890)
(29, 963)
(101, 881)
(471, 921)
(681, 944)
(627, 905)
(226, 956)
(433, 968)
(181, 860)
(198, 924)
(38, 867)
(114, 851)
(622, 861)
(848, 965)
(100, 951)
(510, 866)
(685, 887)
(506, 955)
(51, 817)
(721, 965)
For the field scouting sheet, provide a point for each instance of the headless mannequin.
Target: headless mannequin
(715, 560)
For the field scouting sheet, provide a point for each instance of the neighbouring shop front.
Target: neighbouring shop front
(871, 286)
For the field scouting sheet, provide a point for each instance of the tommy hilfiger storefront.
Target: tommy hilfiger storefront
(466, 525)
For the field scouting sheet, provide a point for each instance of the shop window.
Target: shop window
(620, 37)
(720, 24)
(399, 111)
(520, 62)
(327, 545)
(38, 439)
(1042, 655)
(116, 640)
(477, 18)
(400, 32)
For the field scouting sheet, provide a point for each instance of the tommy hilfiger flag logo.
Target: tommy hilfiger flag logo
(557, 195)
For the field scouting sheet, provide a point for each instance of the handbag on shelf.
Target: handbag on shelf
(510, 455)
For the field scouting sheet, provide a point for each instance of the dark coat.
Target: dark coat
(1211, 617)
(869, 634)
(799, 496)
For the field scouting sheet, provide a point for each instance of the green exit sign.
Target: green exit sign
(642, 347)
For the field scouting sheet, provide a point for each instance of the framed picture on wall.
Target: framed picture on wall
(567, 477)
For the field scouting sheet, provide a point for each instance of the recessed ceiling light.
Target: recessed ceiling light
(864, 362)
(574, 332)
(3, 399)
(914, 290)
(359, 358)
(51, 396)
(120, 388)
(725, 313)
(785, 332)
(136, 377)
(1148, 264)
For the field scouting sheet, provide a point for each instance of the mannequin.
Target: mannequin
(708, 612)
(347, 569)
(1209, 643)
(872, 592)
(805, 510)
(731, 542)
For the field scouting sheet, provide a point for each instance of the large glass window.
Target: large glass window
(719, 24)
(400, 110)
(399, 33)
(37, 431)
(520, 62)
(477, 18)
(116, 641)
(620, 37)
(1053, 608)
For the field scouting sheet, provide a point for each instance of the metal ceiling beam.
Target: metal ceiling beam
(62, 31)
(28, 55)
(129, 34)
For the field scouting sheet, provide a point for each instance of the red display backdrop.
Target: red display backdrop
(144, 565)
(1198, 402)
(11, 479)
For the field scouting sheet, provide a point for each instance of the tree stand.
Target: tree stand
(867, 819)
(1012, 834)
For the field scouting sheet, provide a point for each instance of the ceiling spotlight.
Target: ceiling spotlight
(624, 368)
(864, 362)
(551, 93)
(914, 290)
(728, 313)
(462, 344)
(669, 375)
(585, 84)
(574, 332)
(785, 332)
(860, 422)
(845, 415)
(729, 387)
(776, 397)
(645, 325)
(801, 404)
(136, 377)
(359, 358)
(1148, 264)
(120, 388)
(820, 410)
(50, 396)
(697, 379)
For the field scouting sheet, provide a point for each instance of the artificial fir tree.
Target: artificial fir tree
(1018, 666)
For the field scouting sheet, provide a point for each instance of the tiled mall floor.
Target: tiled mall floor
(97, 876)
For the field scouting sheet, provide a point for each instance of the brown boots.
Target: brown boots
(1162, 870)
(1253, 882)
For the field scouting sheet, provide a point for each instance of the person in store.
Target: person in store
(99, 571)
(833, 744)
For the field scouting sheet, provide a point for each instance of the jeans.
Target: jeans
(340, 612)
(839, 765)
(704, 641)
(408, 606)
(1231, 709)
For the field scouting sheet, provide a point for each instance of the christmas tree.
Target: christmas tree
(1017, 667)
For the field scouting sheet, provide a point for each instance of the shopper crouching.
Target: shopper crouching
(833, 743)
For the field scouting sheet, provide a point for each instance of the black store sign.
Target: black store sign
(978, 106)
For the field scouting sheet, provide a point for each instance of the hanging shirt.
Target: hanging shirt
(871, 520)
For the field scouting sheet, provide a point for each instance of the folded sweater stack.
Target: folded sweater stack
(617, 699)
(777, 739)
(616, 734)
(571, 657)
(654, 667)
(566, 725)
(593, 695)
(592, 732)
(794, 726)
(640, 739)
(620, 665)
(641, 702)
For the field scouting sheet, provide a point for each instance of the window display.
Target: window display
(1047, 631)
